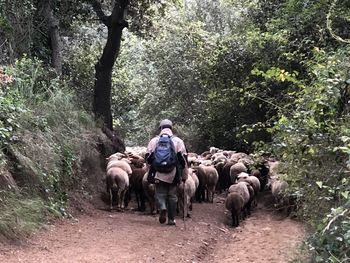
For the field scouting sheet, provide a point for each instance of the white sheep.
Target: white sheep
(252, 180)
(189, 191)
(238, 155)
(279, 190)
(219, 158)
(192, 173)
(117, 184)
(123, 164)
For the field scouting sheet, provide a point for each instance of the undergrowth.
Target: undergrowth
(44, 136)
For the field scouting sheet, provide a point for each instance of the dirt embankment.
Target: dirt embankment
(131, 236)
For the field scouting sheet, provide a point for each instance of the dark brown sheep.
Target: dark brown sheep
(220, 168)
(150, 191)
(234, 203)
(226, 180)
(208, 178)
(136, 186)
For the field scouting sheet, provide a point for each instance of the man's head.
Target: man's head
(165, 124)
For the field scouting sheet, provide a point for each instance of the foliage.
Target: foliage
(308, 138)
(44, 128)
(80, 56)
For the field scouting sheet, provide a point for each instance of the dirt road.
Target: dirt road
(131, 236)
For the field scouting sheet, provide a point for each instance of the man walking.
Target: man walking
(166, 157)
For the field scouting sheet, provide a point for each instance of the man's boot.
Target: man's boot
(171, 212)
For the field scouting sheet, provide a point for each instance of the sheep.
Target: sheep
(263, 175)
(220, 168)
(273, 168)
(205, 162)
(137, 187)
(117, 155)
(206, 155)
(207, 177)
(247, 161)
(117, 184)
(236, 156)
(189, 191)
(234, 203)
(137, 163)
(228, 154)
(252, 180)
(218, 157)
(192, 160)
(136, 151)
(192, 154)
(150, 191)
(213, 150)
(213, 178)
(242, 188)
(202, 181)
(114, 161)
(192, 173)
(235, 170)
(226, 180)
(279, 190)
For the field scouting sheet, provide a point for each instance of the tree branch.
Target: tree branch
(329, 24)
(96, 5)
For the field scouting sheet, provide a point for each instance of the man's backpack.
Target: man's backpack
(165, 157)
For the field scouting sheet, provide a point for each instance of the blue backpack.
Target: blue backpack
(165, 157)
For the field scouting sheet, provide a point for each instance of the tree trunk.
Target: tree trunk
(54, 34)
(102, 89)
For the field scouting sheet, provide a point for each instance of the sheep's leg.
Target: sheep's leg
(236, 220)
(126, 197)
(233, 218)
(138, 201)
(188, 203)
(118, 198)
(249, 208)
(142, 202)
(207, 194)
(121, 199)
(152, 205)
(111, 199)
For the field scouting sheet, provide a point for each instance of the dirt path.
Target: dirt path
(131, 236)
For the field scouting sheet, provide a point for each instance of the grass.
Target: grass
(20, 215)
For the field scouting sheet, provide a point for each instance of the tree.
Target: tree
(54, 35)
(115, 24)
